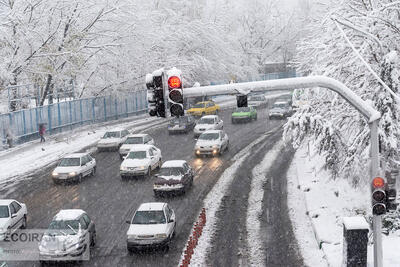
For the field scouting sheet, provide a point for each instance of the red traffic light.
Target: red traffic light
(174, 82)
(378, 182)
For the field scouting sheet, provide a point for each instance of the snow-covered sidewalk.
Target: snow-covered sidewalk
(317, 205)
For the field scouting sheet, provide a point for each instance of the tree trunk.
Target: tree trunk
(46, 89)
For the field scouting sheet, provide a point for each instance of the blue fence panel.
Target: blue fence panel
(23, 125)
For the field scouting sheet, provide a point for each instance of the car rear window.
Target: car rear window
(112, 135)
(134, 140)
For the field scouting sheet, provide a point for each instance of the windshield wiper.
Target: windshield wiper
(70, 227)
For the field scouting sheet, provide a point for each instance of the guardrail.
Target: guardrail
(23, 125)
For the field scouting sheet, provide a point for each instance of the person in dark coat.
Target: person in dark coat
(42, 130)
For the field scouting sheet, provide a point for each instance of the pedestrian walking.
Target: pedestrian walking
(9, 138)
(42, 130)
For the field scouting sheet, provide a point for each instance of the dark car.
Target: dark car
(182, 124)
(174, 176)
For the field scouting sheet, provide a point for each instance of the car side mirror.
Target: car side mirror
(171, 220)
(13, 215)
(128, 221)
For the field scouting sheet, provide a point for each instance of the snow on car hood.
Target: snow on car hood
(3, 224)
(208, 142)
(135, 162)
(109, 140)
(66, 169)
(57, 242)
(147, 229)
(205, 126)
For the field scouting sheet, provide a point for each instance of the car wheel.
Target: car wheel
(93, 241)
(24, 224)
(159, 164)
(227, 146)
(80, 178)
(149, 172)
(93, 171)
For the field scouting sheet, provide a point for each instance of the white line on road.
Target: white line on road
(254, 209)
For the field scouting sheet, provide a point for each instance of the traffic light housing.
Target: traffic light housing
(391, 192)
(241, 101)
(175, 92)
(150, 95)
(379, 198)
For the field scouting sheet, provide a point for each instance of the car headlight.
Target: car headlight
(161, 235)
(55, 174)
(132, 236)
(141, 167)
(216, 146)
(123, 168)
(72, 173)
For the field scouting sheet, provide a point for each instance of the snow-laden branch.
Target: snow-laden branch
(366, 64)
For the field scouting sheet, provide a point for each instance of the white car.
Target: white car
(174, 176)
(209, 122)
(153, 224)
(74, 167)
(112, 140)
(141, 160)
(69, 236)
(257, 100)
(132, 140)
(213, 142)
(13, 216)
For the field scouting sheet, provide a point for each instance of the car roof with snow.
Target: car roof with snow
(75, 155)
(281, 102)
(6, 201)
(173, 163)
(209, 117)
(152, 206)
(140, 147)
(68, 214)
(212, 131)
(137, 135)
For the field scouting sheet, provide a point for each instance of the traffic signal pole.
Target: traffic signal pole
(377, 219)
(362, 106)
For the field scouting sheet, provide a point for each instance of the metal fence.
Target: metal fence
(23, 125)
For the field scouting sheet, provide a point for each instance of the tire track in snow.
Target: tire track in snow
(254, 209)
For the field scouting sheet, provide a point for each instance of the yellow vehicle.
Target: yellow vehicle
(204, 108)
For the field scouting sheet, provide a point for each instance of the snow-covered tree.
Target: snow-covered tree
(339, 132)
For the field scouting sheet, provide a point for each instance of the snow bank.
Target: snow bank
(326, 202)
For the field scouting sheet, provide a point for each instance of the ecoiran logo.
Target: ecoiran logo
(45, 245)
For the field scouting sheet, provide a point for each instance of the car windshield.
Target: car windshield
(280, 105)
(256, 98)
(180, 120)
(149, 217)
(243, 109)
(171, 171)
(206, 121)
(209, 136)
(68, 162)
(198, 105)
(60, 227)
(111, 135)
(4, 212)
(134, 140)
(137, 155)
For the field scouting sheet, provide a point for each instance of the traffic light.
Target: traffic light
(241, 101)
(159, 92)
(175, 92)
(150, 95)
(391, 191)
(378, 187)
